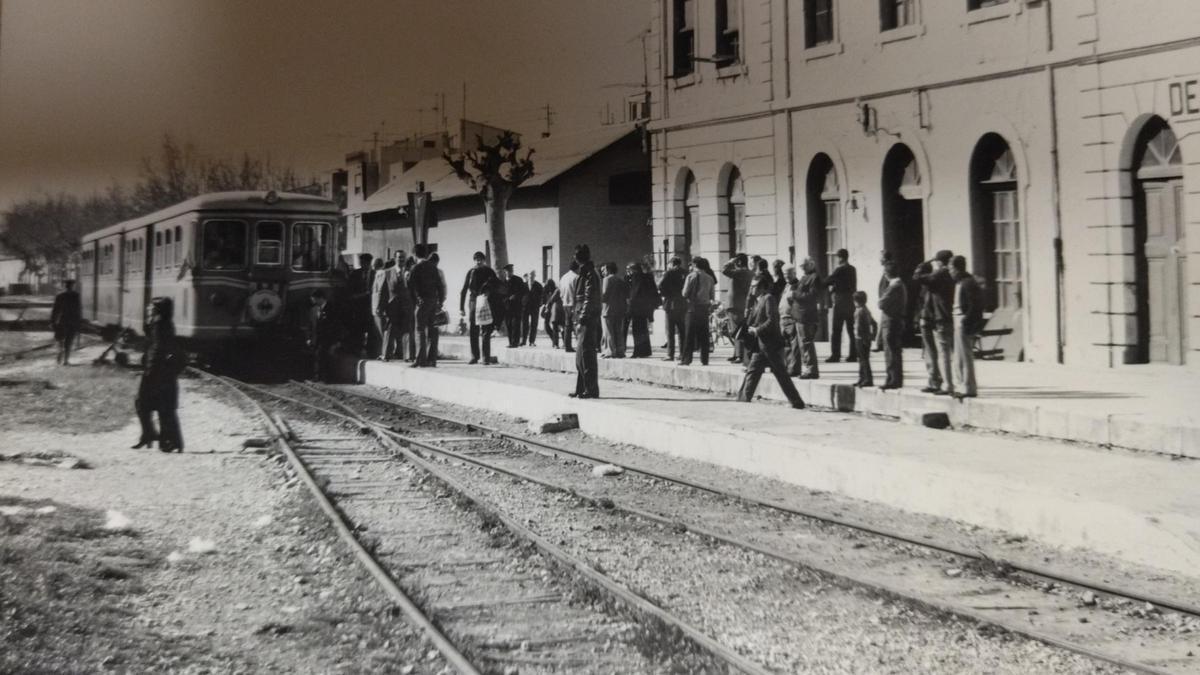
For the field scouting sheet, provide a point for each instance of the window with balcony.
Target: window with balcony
(683, 37)
(895, 14)
(728, 38)
(818, 22)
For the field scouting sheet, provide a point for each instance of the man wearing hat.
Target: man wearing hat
(514, 304)
(842, 283)
(587, 325)
(479, 281)
(937, 321)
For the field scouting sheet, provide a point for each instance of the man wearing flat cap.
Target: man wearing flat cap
(937, 321)
(842, 283)
(514, 304)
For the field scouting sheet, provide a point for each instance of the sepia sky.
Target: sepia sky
(88, 87)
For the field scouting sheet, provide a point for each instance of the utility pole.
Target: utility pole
(549, 121)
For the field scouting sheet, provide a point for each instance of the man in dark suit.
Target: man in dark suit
(893, 310)
(674, 306)
(358, 284)
(762, 324)
(807, 297)
(325, 332)
(842, 283)
(514, 304)
(937, 324)
(587, 325)
(740, 277)
(614, 293)
(65, 319)
(533, 306)
(478, 282)
(884, 282)
(429, 292)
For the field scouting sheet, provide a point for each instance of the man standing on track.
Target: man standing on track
(479, 281)
(65, 319)
(587, 325)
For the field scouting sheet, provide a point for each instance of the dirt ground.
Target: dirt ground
(138, 561)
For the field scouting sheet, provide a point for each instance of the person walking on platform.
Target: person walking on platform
(614, 293)
(65, 318)
(893, 307)
(358, 286)
(967, 311)
(553, 316)
(435, 334)
(158, 388)
(399, 308)
(379, 313)
(842, 283)
(789, 321)
(475, 287)
(937, 324)
(884, 258)
(326, 331)
(566, 290)
(698, 290)
(762, 324)
(740, 278)
(808, 297)
(670, 288)
(587, 325)
(643, 300)
(533, 306)
(427, 289)
(864, 333)
(515, 291)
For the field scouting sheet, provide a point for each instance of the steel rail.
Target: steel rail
(389, 585)
(880, 587)
(1028, 570)
(622, 593)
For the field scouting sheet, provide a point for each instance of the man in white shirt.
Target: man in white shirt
(566, 290)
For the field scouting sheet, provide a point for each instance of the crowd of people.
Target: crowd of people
(772, 315)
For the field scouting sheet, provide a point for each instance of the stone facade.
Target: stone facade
(1006, 133)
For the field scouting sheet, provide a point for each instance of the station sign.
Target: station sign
(1183, 97)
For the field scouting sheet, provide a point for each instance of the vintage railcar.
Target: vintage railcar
(240, 266)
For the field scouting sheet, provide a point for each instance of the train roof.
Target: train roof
(293, 202)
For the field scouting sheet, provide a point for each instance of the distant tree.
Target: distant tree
(494, 171)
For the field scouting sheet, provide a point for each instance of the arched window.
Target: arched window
(996, 241)
(1160, 247)
(735, 213)
(825, 235)
(691, 218)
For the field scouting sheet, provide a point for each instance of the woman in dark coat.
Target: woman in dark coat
(643, 300)
(158, 390)
(552, 311)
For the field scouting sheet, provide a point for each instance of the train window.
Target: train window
(158, 259)
(224, 245)
(269, 247)
(311, 247)
(178, 244)
(167, 250)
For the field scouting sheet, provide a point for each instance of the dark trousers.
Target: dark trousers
(865, 377)
(843, 315)
(513, 323)
(474, 330)
(892, 330)
(640, 326)
(676, 327)
(552, 330)
(530, 325)
(66, 340)
(587, 378)
(569, 327)
(398, 333)
(159, 394)
(791, 346)
(808, 351)
(697, 335)
(768, 357)
(615, 326)
(426, 333)
(735, 318)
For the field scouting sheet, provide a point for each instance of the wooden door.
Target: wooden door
(1166, 271)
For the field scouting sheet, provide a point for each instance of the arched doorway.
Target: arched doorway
(904, 215)
(996, 240)
(735, 213)
(690, 217)
(825, 235)
(1160, 246)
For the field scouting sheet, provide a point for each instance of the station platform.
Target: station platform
(1149, 407)
(1137, 507)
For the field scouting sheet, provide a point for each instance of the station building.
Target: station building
(1052, 142)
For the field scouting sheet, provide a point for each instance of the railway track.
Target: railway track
(491, 594)
(19, 354)
(1107, 623)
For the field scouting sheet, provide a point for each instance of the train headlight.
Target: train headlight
(264, 306)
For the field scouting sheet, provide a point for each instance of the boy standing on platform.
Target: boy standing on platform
(865, 329)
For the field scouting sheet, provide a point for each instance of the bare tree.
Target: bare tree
(494, 171)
